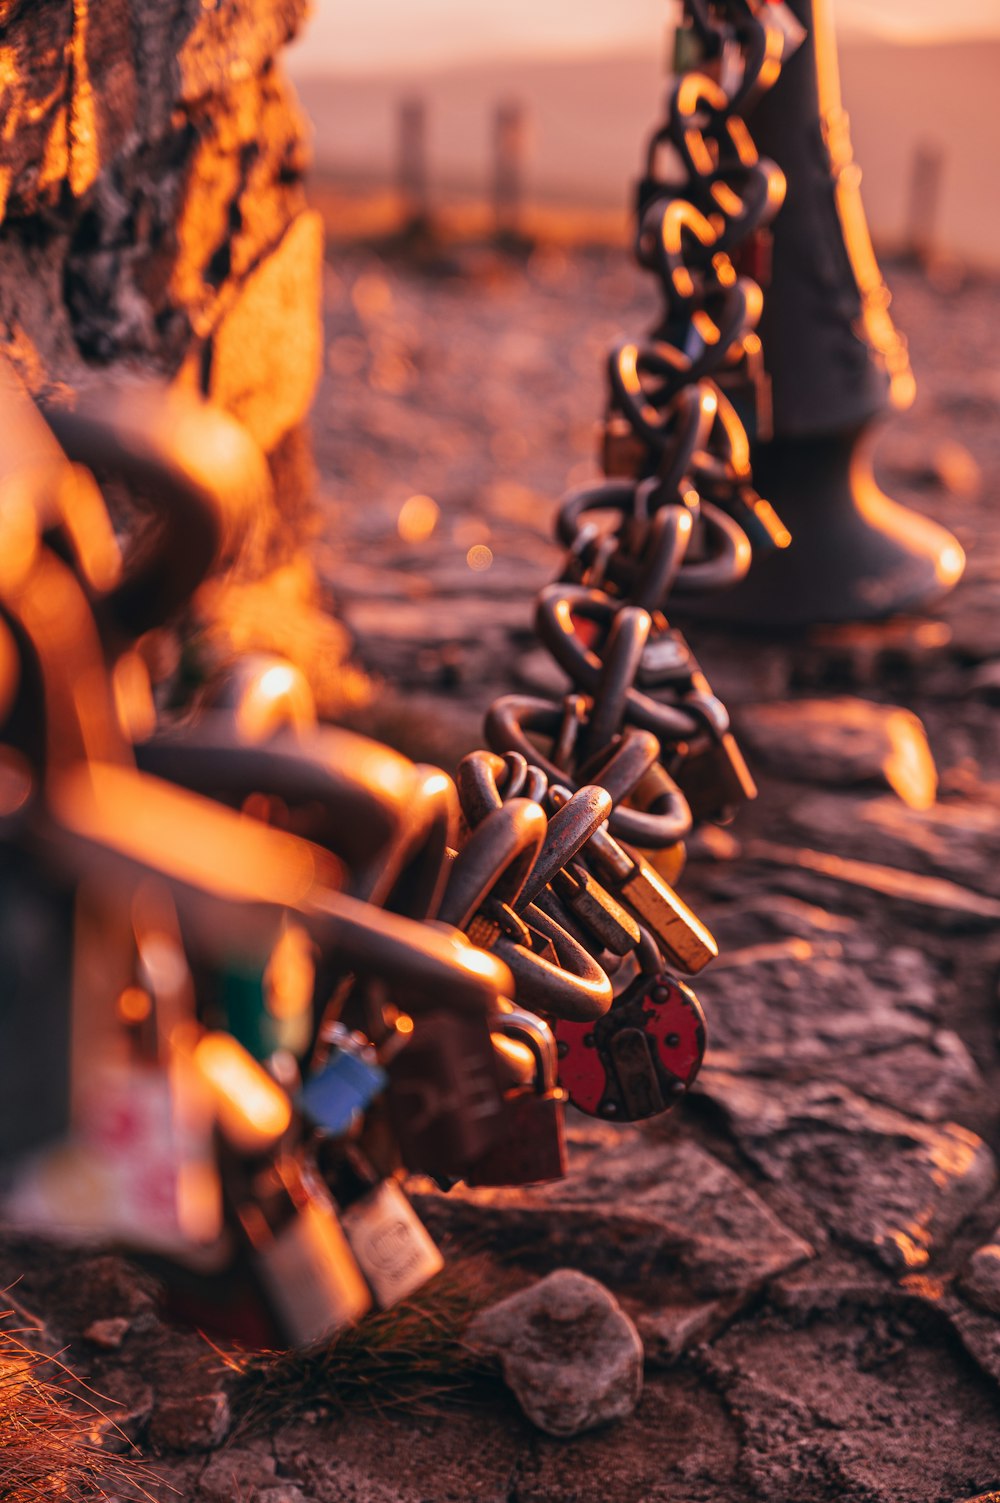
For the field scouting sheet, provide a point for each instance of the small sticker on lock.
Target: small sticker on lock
(392, 1246)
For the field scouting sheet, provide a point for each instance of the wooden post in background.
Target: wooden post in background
(412, 178)
(508, 168)
(925, 197)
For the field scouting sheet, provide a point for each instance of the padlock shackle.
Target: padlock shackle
(576, 988)
(386, 819)
(495, 860)
(482, 775)
(512, 717)
(233, 879)
(204, 478)
(569, 830)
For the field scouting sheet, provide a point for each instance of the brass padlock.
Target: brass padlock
(684, 940)
(602, 916)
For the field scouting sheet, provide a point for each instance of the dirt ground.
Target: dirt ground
(808, 1244)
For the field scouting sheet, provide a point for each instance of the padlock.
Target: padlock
(606, 922)
(533, 1147)
(138, 1163)
(680, 934)
(393, 1248)
(572, 984)
(666, 658)
(667, 862)
(444, 1097)
(685, 941)
(344, 1085)
(638, 1059)
(715, 778)
(268, 1003)
(304, 1265)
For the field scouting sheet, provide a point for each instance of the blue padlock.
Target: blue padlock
(342, 1089)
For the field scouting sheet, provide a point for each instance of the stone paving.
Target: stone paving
(809, 1246)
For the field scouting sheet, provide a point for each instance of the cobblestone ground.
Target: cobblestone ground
(809, 1245)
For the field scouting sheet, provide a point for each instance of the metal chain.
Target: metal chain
(573, 826)
(676, 511)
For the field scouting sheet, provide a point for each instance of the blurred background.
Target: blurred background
(919, 81)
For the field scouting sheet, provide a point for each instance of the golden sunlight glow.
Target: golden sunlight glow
(252, 1110)
(909, 765)
(18, 538)
(236, 858)
(435, 783)
(89, 526)
(134, 1005)
(698, 86)
(950, 564)
(479, 557)
(291, 974)
(277, 697)
(133, 697)
(707, 329)
(417, 519)
(774, 526)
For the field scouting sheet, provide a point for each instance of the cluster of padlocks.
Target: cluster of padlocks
(263, 968)
(257, 968)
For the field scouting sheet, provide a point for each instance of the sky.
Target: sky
(378, 35)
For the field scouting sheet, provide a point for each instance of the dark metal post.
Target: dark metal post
(836, 363)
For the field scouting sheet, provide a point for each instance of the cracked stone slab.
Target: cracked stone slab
(877, 1179)
(958, 840)
(389, 1457)
(869, 1409)
(803, 1009)
(682, 1240)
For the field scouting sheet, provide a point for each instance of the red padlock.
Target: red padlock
(638, 1059)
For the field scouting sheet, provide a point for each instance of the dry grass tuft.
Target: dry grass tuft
(47, 1424)
(411, 1357)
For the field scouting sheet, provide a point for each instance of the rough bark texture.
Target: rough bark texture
(153, 222)
(151, 163)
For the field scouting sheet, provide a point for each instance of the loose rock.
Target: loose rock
(569, 1353)
(199, 1422)
(981, 1280)
(844, 741)
(108, 1334)
(238, 1473)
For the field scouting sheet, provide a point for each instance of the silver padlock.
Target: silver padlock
(393, 1247)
